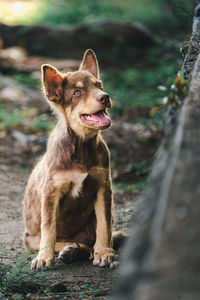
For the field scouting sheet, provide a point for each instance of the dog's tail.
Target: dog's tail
(119, 238)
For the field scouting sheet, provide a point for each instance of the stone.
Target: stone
(109, 40)
(58, 288)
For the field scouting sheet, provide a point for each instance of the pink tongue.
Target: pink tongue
(100, 117)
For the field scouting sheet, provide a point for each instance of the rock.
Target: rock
(30, 143)
(14, 54)
(130, 159)
(22, 95)
(11, 93)
(114, 264)
(22, 138)
(58, 288)
(34, 63)
(109, 40)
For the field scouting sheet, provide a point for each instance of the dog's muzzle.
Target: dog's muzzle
(104, 99)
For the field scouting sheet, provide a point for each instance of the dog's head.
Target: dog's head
(79, 95)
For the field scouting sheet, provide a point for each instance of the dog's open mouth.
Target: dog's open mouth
(99, 119)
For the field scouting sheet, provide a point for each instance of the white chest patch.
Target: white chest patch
(78, 179)
(63, 181)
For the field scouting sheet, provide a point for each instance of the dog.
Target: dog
(68, 204)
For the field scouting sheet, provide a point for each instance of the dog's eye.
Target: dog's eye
(77, 93)
(98, 84)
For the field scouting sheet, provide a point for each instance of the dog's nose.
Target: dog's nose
(104, 99)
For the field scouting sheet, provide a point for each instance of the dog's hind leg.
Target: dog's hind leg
(66, 251)
(32, 244)
(70, 252)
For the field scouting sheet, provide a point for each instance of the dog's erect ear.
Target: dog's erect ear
(90, 63)
(52, 83)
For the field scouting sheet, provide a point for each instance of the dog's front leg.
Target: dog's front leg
(103, 252)
(49, 205)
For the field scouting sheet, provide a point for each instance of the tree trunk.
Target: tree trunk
(161, 258)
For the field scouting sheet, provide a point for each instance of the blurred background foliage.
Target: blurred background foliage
(135, 87)
(157, 15)
(161, 16)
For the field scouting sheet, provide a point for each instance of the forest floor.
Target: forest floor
(24, 118)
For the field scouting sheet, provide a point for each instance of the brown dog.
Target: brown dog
(68, 198)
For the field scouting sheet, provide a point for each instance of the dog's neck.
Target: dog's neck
(65, 146)
(78, 132)
(64, 134)
(84, 133)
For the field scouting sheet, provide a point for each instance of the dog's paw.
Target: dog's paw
(42, 261)
(104, 258)
(69, 253)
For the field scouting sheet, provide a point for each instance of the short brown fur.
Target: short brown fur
(68, 198)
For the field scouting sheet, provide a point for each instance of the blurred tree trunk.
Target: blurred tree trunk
(161, 258)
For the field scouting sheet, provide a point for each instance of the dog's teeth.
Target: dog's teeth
(88, 117)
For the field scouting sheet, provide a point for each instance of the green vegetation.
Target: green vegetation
(153, 15)
(128, 212)
(73, 12)
(176, 95)
(23, 171)
(17, 282)
(163, 17)
(138, 87)
(42, 123)
(10, 119)
(28, 80)
(123, 215)
(138, 168)
(89, 288)
(126, 187)
(14, 118)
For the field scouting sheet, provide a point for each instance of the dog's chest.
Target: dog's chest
(76, 182)
(70, 182)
